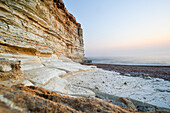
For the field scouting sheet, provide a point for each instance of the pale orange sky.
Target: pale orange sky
(134, 43)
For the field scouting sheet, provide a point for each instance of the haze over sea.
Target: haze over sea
(135, 60)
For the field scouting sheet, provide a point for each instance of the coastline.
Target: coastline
(146, 94)
(143, 71)
(75, 80)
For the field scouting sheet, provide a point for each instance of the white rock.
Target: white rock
(5, 68)
(56, 84)
(27, 83)
(65, 59)
(79, 91)
(67, 66)
(43, 75)
(31, 60)
(92, 66)
(30, 66)
(68, 69)
(136, 88)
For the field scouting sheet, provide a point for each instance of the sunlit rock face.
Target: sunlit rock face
(40, 28)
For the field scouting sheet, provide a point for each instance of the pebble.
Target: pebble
(97, 87)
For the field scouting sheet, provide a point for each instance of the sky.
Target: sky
(123, 27)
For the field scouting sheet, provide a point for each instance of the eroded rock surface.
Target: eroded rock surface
(47, 72)
(153, 91)
(9, 69)
(40, 27)
(37, 99)
(41, 43)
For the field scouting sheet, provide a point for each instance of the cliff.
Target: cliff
(40, 28)
(40, 43)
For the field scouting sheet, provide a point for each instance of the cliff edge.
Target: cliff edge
(40, 28)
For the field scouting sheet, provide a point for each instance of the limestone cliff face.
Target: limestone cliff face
(41, 28)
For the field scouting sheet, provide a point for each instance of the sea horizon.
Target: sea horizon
(133, 60)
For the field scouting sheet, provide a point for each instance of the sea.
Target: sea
(134, 60)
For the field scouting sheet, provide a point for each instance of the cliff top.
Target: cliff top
(60, 5)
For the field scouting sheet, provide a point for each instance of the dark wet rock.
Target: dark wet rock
(130, 103)
(138, 71)
(163, 90)
(141, 108)
(119, 104)
(125, 83)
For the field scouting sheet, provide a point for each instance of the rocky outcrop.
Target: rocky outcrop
(40, 28)
(32, 99)
(36, 99)
(47, 72)
(9, 69)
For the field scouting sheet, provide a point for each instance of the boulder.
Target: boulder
(128, 103)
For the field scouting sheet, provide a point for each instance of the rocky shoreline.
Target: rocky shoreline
(24, 99)
(67, 78)
(138, 70)
(20, 99)
(146, 94)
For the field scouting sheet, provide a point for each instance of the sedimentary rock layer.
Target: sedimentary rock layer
(40, 27)
(36, 99)
(47, 72)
